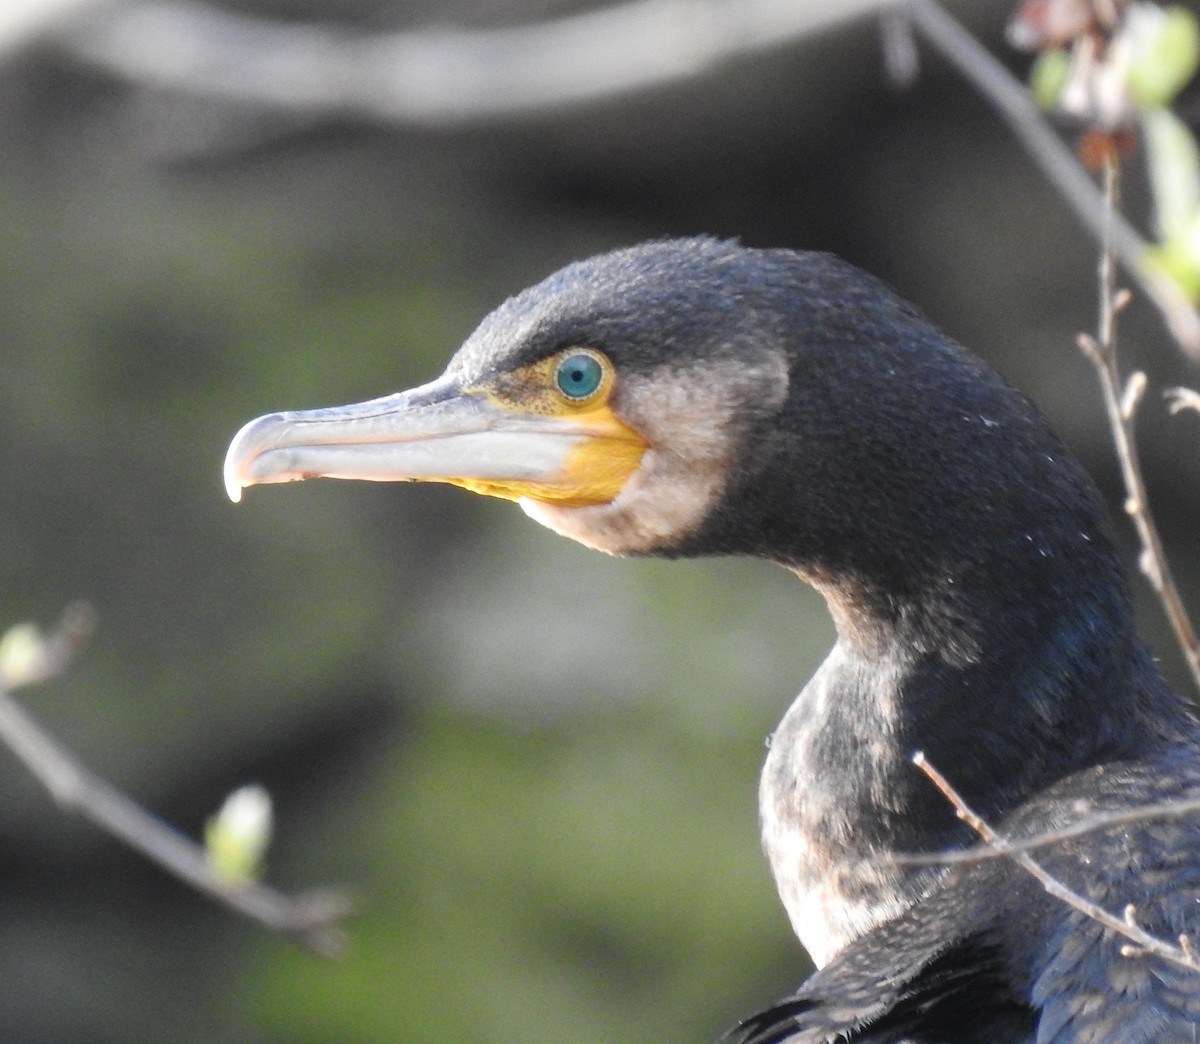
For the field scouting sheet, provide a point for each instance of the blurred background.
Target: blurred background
(535, 768)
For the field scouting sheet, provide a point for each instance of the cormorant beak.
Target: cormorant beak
(440, 432)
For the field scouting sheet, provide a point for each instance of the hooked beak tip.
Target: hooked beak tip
(246, 445)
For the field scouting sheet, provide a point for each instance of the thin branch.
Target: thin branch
(1179, 399)
(312, 918)
(898, 46)
(1125, 925)
(1014, 103)
(1089, 824)
(1121, 403)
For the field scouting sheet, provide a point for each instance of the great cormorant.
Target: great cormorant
(693, 397)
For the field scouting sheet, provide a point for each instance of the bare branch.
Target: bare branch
(1089, 823)
(901, 60)
(1125, 925)
(1179, 399)
(1016, 106)
(1121, 404)
(312, 919)
(439, 76)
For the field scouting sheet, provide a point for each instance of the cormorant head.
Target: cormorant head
(606, 400)
(696, 397)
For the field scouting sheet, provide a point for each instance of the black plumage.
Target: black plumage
(789, 407)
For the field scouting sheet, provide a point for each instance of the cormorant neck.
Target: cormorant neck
(1008, 682)
(1009, 675)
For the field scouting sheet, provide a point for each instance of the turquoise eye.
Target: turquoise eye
(579, 376)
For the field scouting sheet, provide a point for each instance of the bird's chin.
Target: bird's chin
(651, 515)
(601, 527)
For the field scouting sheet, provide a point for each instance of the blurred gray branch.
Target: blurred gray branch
(25, 20)
(448, 76)
(434, 75)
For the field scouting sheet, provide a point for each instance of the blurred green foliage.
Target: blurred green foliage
(506, 747)
(533, 891)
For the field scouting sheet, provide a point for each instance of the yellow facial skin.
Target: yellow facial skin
(594, 470)
(545, 432)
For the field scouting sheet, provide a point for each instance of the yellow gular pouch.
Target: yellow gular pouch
(572, 387)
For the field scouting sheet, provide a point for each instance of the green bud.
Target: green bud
(21, 654)
(237, 837)
(1049, 76)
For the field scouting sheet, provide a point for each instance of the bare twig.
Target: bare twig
(1125, 925)
(1121, 403)
(312, 919)
(1089, 822)
(1179, 399)
(898, 44)
(1017, 107)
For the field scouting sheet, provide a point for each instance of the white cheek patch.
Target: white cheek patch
(659, 505)
(690, 419)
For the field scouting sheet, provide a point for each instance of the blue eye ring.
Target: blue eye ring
(580, 375)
